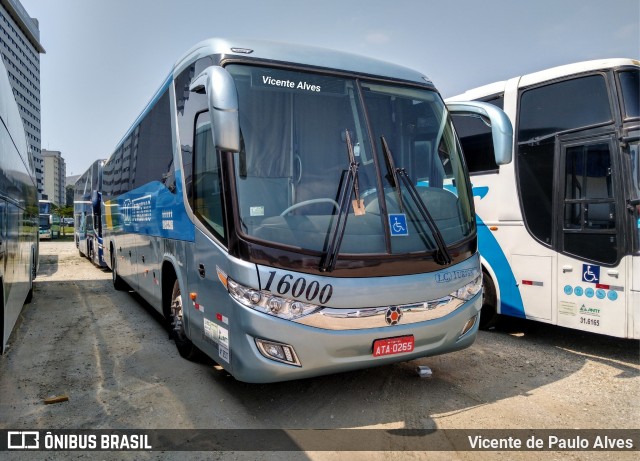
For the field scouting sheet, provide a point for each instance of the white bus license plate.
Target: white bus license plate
(390, 346)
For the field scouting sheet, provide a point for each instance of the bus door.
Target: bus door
(591, 278)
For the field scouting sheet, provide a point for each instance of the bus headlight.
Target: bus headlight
(268, 303)
(469, 290)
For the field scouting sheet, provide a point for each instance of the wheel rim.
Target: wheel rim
(176, 315)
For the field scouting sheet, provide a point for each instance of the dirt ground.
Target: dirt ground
(110, 354)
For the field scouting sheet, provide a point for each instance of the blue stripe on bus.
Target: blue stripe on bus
(510, 298)
(152, 210)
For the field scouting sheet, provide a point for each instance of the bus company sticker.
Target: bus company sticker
(600, 293)
(593, 312)
(568, 290)
(223, 336)
(578, 291)
(211, 330)
(223, 352)
(612, 295)
(588, 292)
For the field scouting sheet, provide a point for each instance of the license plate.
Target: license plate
(390, 346)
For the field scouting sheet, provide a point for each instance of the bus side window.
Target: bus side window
(207, 185)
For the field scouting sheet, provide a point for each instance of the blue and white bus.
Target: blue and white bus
(87, 213)
(18, 213)
(295, 211)
(559, 228)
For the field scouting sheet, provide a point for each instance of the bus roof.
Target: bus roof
(300, 54)
(545, 75)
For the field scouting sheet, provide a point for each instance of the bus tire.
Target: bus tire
(118, 283)
(185, 347)
(489, 313)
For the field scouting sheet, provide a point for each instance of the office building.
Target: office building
(20, 48)
(55, 174)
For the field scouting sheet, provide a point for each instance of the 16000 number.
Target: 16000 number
(300, 287)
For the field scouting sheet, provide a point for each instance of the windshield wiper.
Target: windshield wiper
(348, 185)
(392, 173)
(443, 257)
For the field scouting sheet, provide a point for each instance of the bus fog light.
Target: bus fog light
(277, 351)
(468, 326)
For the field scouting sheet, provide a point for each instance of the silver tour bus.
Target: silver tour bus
(294, 211)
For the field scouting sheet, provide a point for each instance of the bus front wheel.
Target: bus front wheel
(185, 347)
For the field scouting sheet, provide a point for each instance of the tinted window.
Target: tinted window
(477, 143)
(589, 206)
(561, 106)
(188, 104)
(207, 183)
(630, 84)
(535, 171)
(476, 139)
(545, 111)
(153, 160)
(146, 155)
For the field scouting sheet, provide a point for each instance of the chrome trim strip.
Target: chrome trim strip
(374, 317)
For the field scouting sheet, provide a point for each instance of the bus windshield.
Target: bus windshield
(300, 133)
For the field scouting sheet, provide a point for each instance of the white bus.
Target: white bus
(559, 228)
(295, 211)
(18, 213)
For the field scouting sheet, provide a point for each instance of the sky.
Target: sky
(105, 59)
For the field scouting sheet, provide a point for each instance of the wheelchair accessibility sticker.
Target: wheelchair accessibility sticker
(398, 225)
(590, 273)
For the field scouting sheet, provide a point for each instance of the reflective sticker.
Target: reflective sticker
(222, 318)
(198, 307)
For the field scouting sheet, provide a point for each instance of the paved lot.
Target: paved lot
(110, 354)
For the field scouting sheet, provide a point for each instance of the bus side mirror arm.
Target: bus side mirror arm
(222, 99)
(501, 128)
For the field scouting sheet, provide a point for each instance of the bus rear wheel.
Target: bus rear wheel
(118, 283)
(184, 345)
(489, 313)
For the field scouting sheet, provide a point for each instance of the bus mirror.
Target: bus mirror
(501, 129)
(222, 99)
